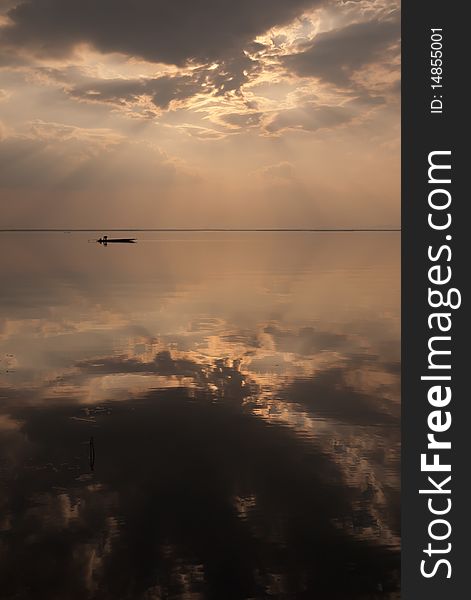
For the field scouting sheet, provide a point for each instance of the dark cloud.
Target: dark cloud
(243, 120)
(161, 90)
(169, 31)
(165, 89)
(117, 91)
(334, 55)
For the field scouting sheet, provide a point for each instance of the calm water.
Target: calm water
(200, 416)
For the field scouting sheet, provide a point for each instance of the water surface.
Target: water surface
(200, 416)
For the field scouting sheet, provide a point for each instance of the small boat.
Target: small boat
(106, 240)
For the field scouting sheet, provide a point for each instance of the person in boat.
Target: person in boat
(105, 241)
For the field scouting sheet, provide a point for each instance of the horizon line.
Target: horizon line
(199, 229)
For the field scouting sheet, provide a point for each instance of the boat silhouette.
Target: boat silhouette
(105, 240)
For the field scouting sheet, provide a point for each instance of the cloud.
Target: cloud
(207, 84)
(282, 171)
(161, 91)
(313, 116)
(164, 90)
(242, 120)
(334, 55)
(309, 117)
(54, 155)
(167, 90)
(155, 30)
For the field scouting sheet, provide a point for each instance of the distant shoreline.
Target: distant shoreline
(205, 229)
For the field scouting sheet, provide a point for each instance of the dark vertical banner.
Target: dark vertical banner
(436, 421)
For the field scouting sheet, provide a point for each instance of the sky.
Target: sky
(176, 113)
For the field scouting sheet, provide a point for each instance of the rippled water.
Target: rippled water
(200, 416)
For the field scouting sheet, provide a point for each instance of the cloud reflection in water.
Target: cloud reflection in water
(243, 397)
